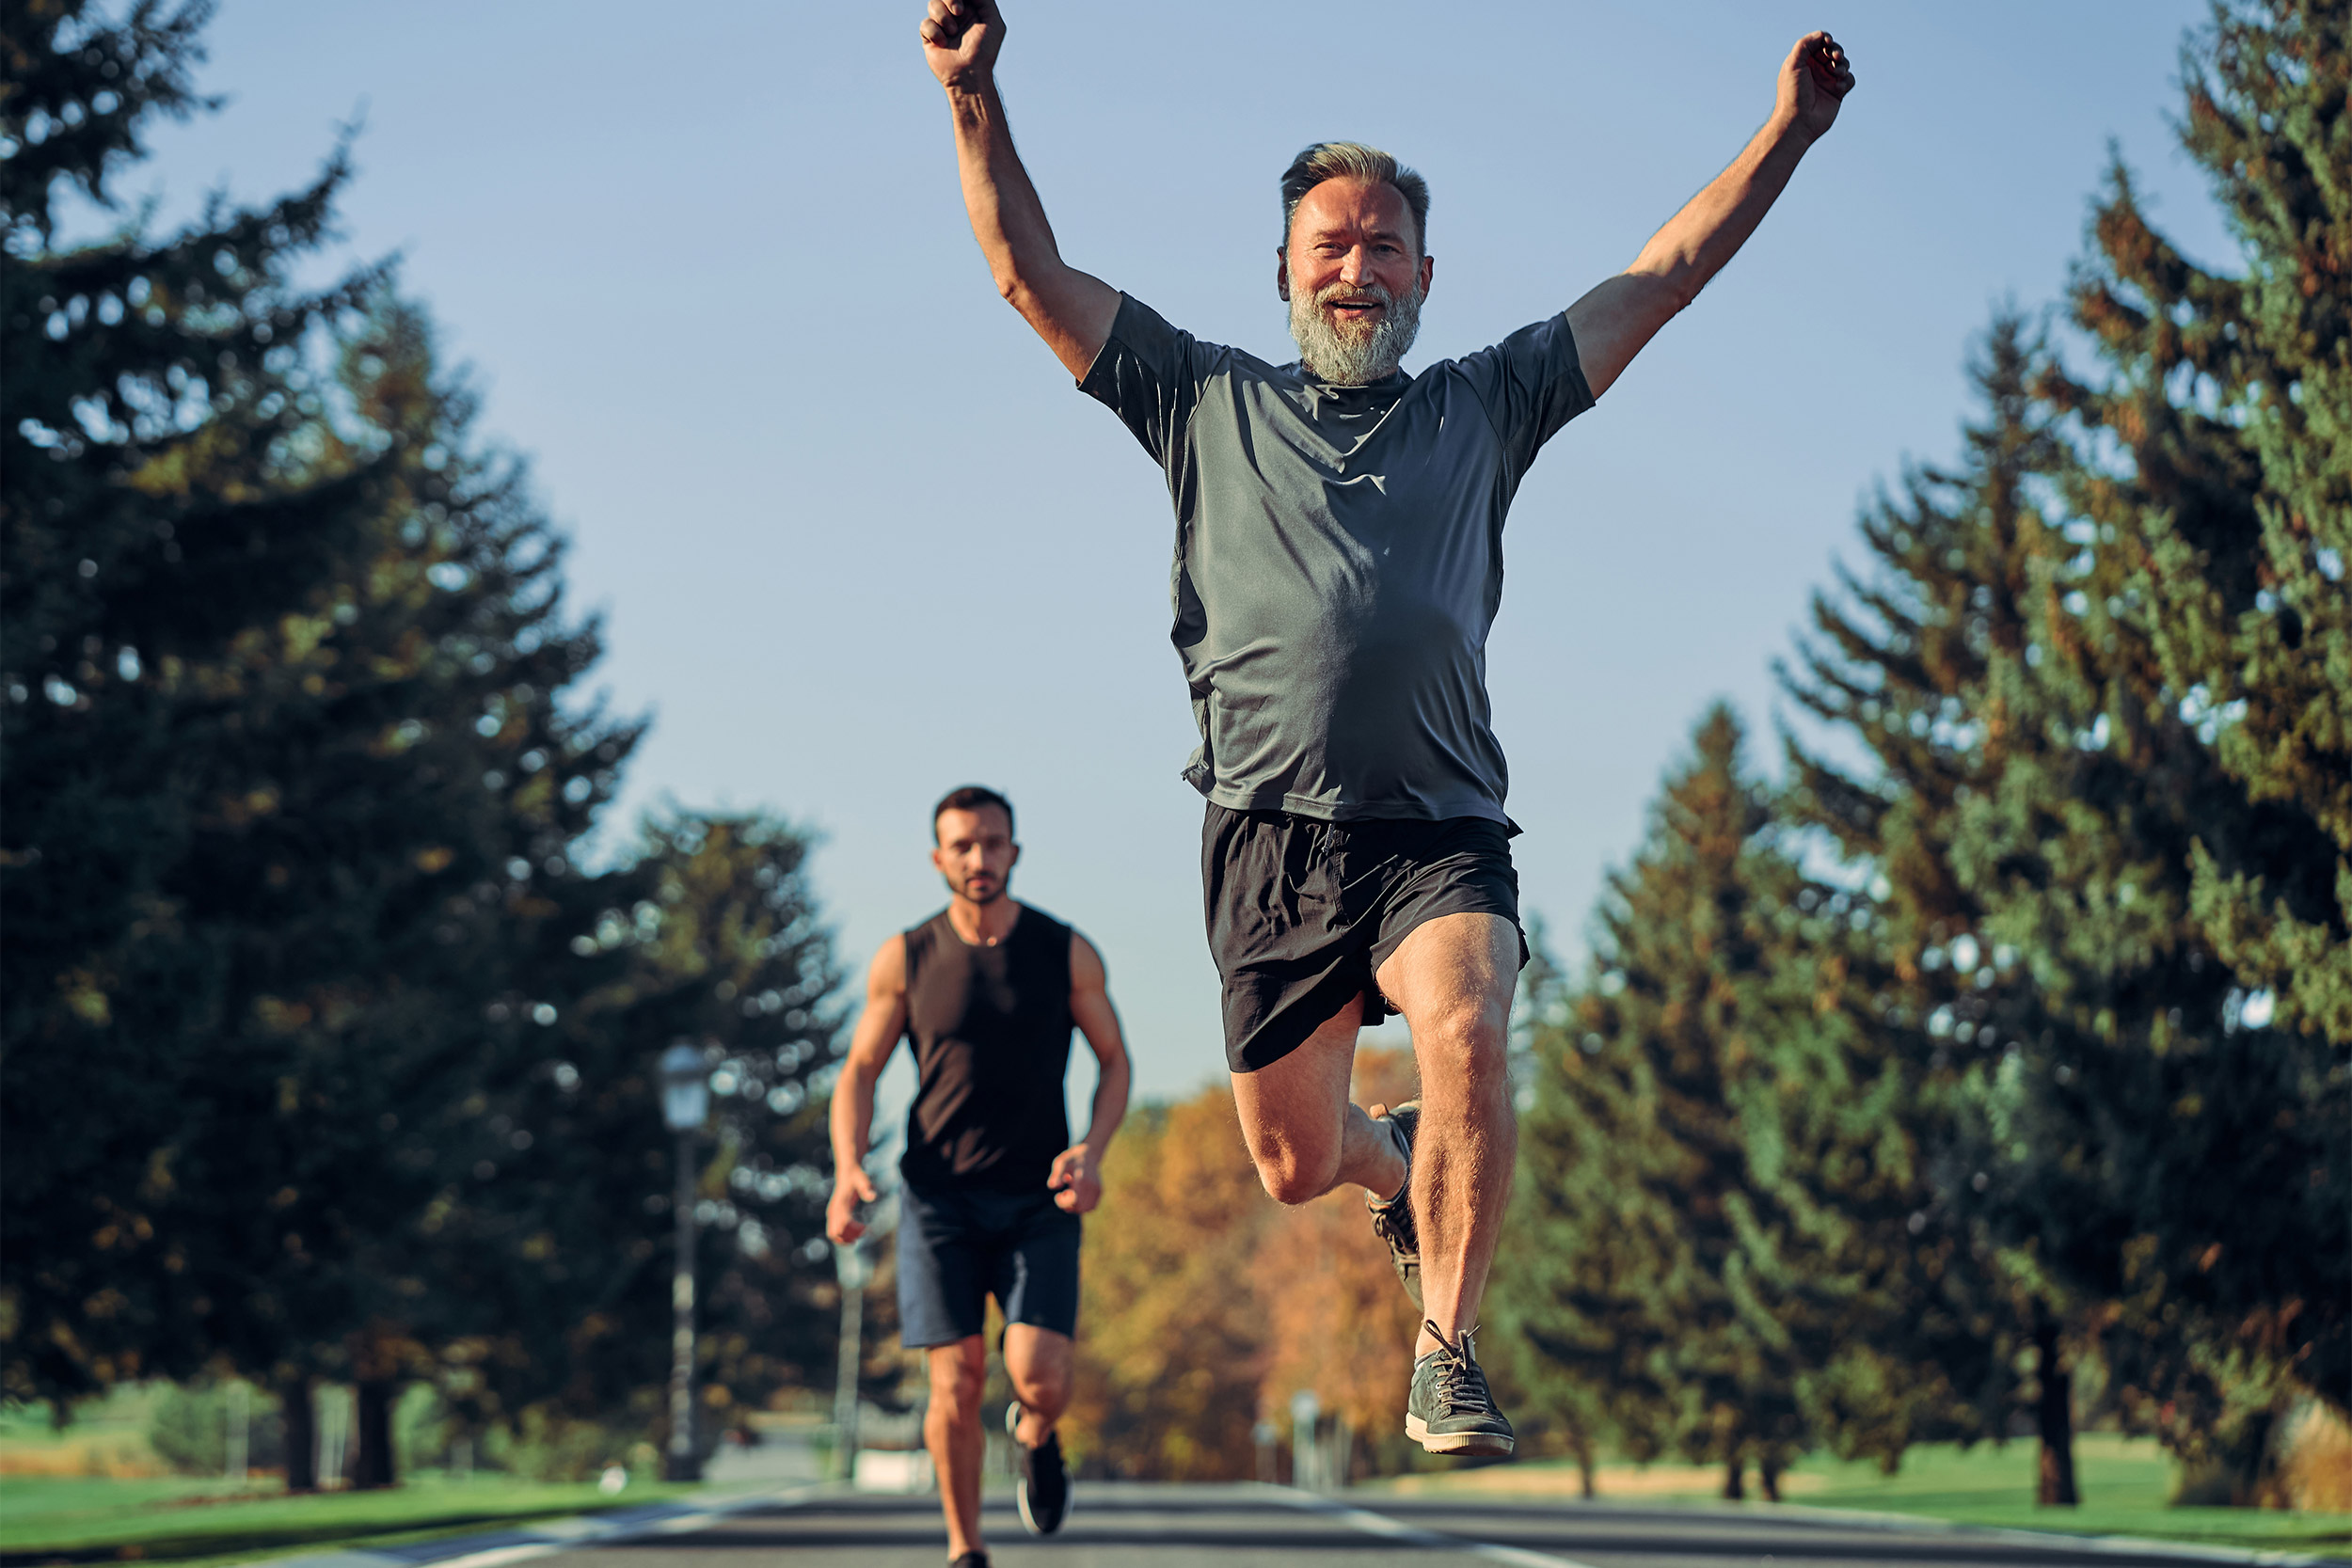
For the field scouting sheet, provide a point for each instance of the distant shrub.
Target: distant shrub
(188, 1426)
(544, 1446)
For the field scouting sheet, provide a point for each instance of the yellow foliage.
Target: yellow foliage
(1169, 1336)
(2317, 1474)
(279, 1016)
(110, 1455)
(1205, 1304)
(88, 999)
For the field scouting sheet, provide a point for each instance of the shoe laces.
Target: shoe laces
(1459, 1387)
(1393, 1224)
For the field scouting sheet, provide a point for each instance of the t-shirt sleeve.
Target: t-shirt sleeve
(1150, 374)
(1531, 383)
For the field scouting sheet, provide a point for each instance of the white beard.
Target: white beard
(1354, 356)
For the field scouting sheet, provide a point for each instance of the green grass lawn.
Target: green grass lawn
(2123, 1482)
(189, 1522)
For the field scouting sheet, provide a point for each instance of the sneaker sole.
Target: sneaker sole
(1467, 1445)
(1408, 1269)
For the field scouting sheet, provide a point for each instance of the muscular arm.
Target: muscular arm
(1077, 1171)
(876, 1037)
(1070, 310)
(1614, 321)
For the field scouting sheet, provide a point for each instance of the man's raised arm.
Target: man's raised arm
(1614, 321)
(1070, 310)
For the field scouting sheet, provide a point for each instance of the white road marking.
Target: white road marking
(1396, 1529)
(563, 1535)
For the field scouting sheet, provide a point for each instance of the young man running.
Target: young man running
(1337, 566)
(987, 990)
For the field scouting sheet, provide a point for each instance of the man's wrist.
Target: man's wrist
(1786, 127)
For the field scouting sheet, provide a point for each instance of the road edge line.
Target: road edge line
(556, 1535)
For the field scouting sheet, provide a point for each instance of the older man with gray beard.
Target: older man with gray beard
(1338, 566)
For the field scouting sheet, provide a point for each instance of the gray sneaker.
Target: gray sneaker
(1393, 1218)
(1449, 1409)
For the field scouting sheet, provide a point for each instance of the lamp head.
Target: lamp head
(684, 1088)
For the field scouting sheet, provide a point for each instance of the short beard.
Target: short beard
(1354, 358)
(966, 892)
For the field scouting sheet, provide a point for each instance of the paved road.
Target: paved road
(1122, 1526)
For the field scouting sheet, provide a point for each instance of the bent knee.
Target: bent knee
(1043, 1390)
(1293, 1180)
(957, 1379)
(1474, 1034)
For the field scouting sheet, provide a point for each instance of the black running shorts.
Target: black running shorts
(959, 1246)
(1303, 913)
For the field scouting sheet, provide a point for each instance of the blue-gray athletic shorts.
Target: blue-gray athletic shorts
(957, 1248)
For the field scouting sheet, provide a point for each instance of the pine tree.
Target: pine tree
(1635, 1197)
(297, 783)
(2219, 534)
(2037, 805)
(547, 1246)
(152, 532)
(1926, 661)
(2229, 396)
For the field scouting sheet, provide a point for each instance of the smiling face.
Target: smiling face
(1354, 275)
(975, 852)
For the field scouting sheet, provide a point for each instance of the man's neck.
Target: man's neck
(983, 925)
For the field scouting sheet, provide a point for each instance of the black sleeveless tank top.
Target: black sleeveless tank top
(991, 1031)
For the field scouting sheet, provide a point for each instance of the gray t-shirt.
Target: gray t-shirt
(1338, 560)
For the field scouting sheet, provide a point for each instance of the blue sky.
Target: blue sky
(857, 539)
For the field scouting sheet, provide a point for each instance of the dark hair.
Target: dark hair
(1350, 159)
(970, 798)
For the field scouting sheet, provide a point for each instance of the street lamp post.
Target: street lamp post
(685, 1103)
(851, 1268)
(1305, 1473)
(853, 1265)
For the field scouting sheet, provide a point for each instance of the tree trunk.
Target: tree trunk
(1735, 1489)
(302, 1435)
(1584, 1471)
(2053, 1486)
(1768, 1476)
(372, 1464)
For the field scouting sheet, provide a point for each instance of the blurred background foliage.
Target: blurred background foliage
(1985, 1073)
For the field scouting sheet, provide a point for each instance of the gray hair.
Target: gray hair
(1352, 160)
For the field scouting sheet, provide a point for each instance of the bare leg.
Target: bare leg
(951, 1430)
(1038, 1362)
(1453, 977)
(1305, 1135)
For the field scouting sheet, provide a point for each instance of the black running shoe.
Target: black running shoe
(1449, 1410)
(1042, 1480)
(1393, 1218)
(970, 1559)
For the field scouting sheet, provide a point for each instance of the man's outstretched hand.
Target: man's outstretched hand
(1814, 80)
(850, 1189)
(961, 38)
(1076, 1185)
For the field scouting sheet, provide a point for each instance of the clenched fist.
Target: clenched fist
(850, 1189)
(961, 38)
(1814, 81)
(1077, 1186)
